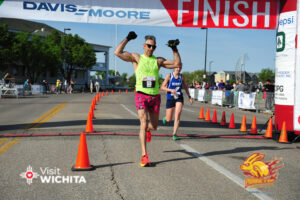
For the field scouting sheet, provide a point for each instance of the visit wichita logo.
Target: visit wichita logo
(50, 175)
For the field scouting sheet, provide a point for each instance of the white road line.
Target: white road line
(134, 114)
(226, 173)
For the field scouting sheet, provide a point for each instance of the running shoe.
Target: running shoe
(164, 121)
(145, 162)
(175, 137)
(148, 136)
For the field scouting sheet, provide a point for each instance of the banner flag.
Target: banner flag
(246, 101)
(242, 14)
(201, 94)
(217, 97)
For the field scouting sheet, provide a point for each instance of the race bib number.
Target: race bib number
(148, 82)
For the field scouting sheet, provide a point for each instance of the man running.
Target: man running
(172, 85)
(147, 97)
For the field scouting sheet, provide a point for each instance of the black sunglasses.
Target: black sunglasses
(149, 46)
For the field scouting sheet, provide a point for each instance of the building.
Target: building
(231, 75)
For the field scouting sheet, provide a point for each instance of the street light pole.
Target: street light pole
(64, 55)
(206, 33)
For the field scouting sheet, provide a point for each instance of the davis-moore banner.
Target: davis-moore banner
(242, 14)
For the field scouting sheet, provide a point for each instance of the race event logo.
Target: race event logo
(280, 44)
(262, 174)
(81, 11)
(50, 175)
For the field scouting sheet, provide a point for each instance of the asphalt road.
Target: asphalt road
(205, 164)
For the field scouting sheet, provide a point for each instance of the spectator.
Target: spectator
(27, 85)
(7, 78)
(227, 89)
(221, 85)
(60, 86)
(72, 84)
(240, 87)
(57, 85)
(252, 87)
(97, 86)
(91, 86)
(44, 85)
(214, 86)
(206, 86)
(269, 89)
(66, 86)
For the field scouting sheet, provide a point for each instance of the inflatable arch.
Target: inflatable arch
(242, 14)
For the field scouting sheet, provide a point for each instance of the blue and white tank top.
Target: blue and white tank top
(175, 84)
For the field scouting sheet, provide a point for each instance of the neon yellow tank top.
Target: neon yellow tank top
(146, 74)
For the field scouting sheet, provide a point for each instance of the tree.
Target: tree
(197, 75)
(6, 42)
(102, 74)
(53, 51)
(187, 76)
(124, 79)
(29, 52)
(131, 82)
(266, 74)
(112, 72)
(76, 53)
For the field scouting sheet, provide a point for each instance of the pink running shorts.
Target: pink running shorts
(149, 102)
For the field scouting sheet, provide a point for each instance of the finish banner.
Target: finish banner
(241, 14)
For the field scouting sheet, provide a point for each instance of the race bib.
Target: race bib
(148, 82)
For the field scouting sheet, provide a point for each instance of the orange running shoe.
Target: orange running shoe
(148, 136)
(145, 162)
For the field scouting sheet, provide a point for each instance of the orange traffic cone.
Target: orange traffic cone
(106, 92)
(214, 119)
(253, 126)
(283, 135)
(89, 124)
(269, 129)
(112, 91)
(119, 91)
(243, 126)
(103, 93)
(201, 115)
(95, 100)
(207, 116)
(82, 161)
(134, 91)
(223, 120)
(126, 91)
(92, 112)
(97, 97)
(231, 123)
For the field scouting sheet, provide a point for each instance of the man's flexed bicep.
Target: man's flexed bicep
(126, 56)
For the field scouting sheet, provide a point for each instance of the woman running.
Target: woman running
(172, 85)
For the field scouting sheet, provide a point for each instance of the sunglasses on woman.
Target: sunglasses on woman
(149, 46)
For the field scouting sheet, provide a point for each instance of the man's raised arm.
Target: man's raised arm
(126, 56)
(177, 60)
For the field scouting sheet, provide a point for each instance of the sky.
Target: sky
(224, 46)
